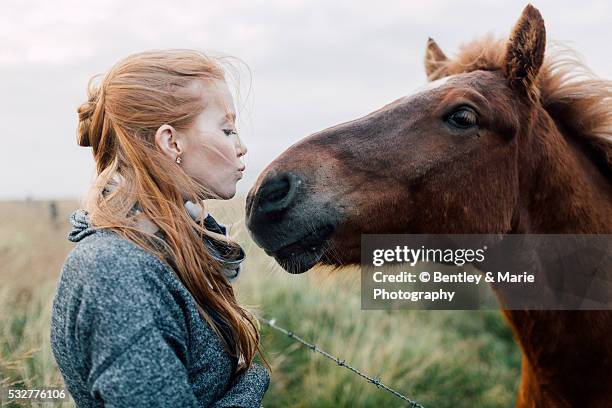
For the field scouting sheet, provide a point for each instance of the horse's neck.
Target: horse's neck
(562, 190)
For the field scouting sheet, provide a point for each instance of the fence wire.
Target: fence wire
(372, 380)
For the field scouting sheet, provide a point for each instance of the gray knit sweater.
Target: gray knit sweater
(126, 333)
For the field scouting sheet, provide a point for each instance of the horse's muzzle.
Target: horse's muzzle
(289, 227)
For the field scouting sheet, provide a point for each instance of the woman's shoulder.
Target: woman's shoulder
(105, 247)
(111, 282)
(100, 248)
(106, 258)
(105, 271)
(111, 272)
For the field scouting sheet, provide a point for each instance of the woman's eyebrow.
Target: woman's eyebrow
(230, 116)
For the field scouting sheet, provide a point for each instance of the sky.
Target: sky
(305, 66)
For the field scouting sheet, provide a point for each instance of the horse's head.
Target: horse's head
(443, 160)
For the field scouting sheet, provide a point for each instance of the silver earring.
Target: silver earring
(178, 160)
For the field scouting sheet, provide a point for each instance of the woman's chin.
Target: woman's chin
(216, 193)
(226, 195)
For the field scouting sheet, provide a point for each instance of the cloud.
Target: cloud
(313, 64)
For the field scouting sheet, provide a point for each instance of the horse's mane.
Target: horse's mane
(573, 96)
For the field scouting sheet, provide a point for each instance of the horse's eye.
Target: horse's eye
(463, 118)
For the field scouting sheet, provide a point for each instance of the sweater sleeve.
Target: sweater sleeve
(147, 373)
(248, 391)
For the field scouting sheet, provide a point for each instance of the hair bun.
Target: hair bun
(86, 112)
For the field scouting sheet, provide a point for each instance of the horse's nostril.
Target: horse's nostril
(278, 193)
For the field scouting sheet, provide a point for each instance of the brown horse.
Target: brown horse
(504, 141)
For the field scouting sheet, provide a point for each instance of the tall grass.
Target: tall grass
(440, 358)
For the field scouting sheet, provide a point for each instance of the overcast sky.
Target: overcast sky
(313, 64)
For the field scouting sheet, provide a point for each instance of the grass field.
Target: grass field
(439, 358)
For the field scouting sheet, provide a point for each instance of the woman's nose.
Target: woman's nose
(242, 149)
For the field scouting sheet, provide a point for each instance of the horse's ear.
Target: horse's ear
(525, 52)
(434, 60)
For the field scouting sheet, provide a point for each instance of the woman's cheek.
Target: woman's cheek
(213, 166)
(223, 182)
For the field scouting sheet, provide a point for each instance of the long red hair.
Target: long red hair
(118, 121)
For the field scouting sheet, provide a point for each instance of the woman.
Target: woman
(144, 314)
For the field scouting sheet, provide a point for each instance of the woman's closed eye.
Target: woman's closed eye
(229, 132)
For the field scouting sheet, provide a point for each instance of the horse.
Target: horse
(503, 140)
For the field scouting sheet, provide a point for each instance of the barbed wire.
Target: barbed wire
(342, 363)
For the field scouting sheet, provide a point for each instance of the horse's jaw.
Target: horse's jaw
(303, 253)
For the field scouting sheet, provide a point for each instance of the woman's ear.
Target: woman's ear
(169, 142)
